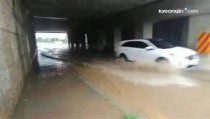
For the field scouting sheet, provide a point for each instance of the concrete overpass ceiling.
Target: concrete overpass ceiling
(81, 8)
(50, 24)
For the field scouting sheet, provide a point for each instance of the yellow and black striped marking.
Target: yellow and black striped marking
(203, 43)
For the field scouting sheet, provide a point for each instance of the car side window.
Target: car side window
(135, 44)
(141, 44)
(128, 44)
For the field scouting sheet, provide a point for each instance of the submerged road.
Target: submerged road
(56, 92)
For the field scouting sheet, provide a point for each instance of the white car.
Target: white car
(157, 50)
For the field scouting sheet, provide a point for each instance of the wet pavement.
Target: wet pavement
(147, 90)
(56, 92)
(153, 95)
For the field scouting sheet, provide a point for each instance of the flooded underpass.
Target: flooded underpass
(56, 92)
(74, 45)
(112, 89)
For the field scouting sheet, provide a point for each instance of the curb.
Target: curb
(107, 97)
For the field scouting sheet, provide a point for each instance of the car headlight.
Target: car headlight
(191, 57)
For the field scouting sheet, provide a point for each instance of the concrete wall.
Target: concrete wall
(147, 30)
(16, 53)
(117, 37)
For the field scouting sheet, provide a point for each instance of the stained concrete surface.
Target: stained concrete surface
(17, 49)
(56, 92)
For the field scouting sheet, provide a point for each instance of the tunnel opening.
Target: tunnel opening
(51, 44)
(48, 40)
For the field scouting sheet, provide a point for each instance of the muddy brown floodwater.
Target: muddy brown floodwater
(56, 92)
(146, 90)
(157, 95)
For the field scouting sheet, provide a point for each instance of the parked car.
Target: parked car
(157, 50)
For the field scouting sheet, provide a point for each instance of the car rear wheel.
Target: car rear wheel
(162, 61)
(123, 57)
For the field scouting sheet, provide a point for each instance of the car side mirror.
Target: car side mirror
(149, 48)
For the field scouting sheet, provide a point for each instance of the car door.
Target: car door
(135, 50)
(128, 49)
(140, 53)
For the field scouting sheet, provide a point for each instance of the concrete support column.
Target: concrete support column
(73, 38)
(147, 30)
(72, 41)
(92, 40)
(83, 41)
(69, 39)
(117, 37)
(101, 40)
(109, 40)
(32, 37)
(138, 30)
(197, 24)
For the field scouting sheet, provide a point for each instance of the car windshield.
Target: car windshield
(161, 43)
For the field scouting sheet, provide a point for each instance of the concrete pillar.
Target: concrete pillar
(83, 41)
(32, 37)
(69, 39)
(92, 40)
(109, 40)
(101, 40)
(73, 37)
(138, 31)
(197, 24)
(117, 37)
(184, 31)
(147, 30)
